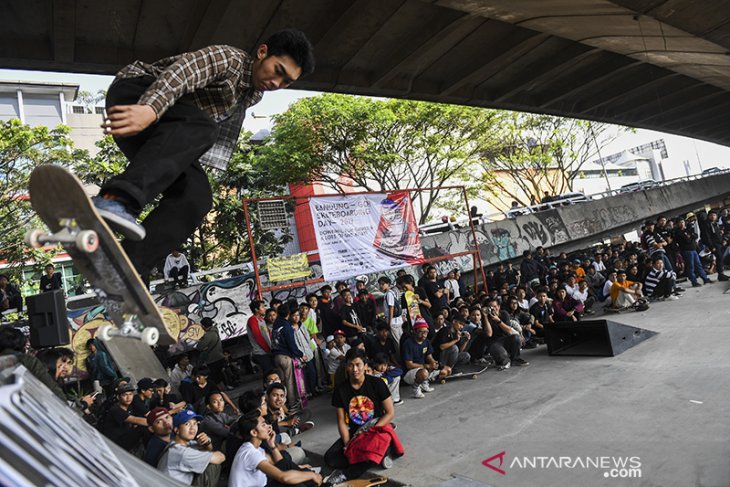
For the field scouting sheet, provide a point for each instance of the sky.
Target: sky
(699, 155)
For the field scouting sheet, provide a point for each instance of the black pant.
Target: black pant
(179, 276)
(664, 288)
(335, 458)
(163, 159)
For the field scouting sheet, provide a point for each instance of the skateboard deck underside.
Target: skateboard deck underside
(466, 372)
(57, 194)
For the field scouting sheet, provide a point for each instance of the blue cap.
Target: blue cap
(184, 416)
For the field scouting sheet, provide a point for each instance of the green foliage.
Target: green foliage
(381, 145)
(23, 148)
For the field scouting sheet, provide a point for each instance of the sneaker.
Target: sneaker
(308, 425)
(520, 362)
(336, 477)
(387, 462)
(722, 277)
(481, 361)
(504, 367)
(529, 345)
(418, 393)
(119, 218)
(678, 289)
(672, 297)
(398, 402)
(709, 281)
(696, 284)
(426, 387)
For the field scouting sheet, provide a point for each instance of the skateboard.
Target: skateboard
(465, 373)
(59, 199)
(363, 482)
(412, 305)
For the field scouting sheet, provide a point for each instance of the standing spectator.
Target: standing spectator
(191, 452)
(50, 281)
(714, 243)
(330, 318)
(304, 343)
(687, 240)
(452, 286)
(392, 308)
(513, 275)
(211, 349)
(531, 270)
(177, 268)
(365, 308)
(285, 350)
(10, 297)
(99, 365)
(339, 301)
(348, 316)
(406, 284)
(259, 336)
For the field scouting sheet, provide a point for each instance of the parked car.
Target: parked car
(642, 185)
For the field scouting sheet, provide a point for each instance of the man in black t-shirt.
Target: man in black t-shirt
(350, 321)
(50, 281)
(141, 402)
(362, 401)
(450, 344)
(120, 426)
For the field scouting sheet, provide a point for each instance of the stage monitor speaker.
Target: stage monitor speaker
(47, 320)
(593, 338)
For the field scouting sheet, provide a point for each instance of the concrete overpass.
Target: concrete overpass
(577, 226)
(659, 64)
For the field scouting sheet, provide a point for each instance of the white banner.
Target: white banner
(365, 233)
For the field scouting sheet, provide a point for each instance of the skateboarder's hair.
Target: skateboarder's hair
(294, 43)
(11, 338)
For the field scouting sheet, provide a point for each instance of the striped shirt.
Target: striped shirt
(219, 79)
(653, 278)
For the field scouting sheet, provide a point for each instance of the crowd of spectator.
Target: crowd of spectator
(359, 349)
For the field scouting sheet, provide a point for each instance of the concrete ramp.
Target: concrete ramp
(45, 442)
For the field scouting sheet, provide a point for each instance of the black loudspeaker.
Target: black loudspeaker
(595, 338)
(47, 320)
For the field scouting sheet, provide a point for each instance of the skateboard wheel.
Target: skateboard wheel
(443, 381)
(105, 332)
(87, 241)
(150, 336)
(474, 376)
(33, 238)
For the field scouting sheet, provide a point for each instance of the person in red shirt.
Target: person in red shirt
(260, 336)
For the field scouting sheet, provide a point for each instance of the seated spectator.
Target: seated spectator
(497, 338)
(418, 359)
(582, 296)
(542, 312)
(522, 302)
(259, 336)
(624, 293)
(216, 423)
(291, 423)
(566, 308)
(595, 282)
(598, 264)
(521, 322)
(391, 375)
(252, 467)
(176, 269)
(363, 403)
(59, 363)
(120, 425)
(10, 297)
(163, 397)
(191, 453)
(660, 283)
(180, 371)
(450, 344)
(159, 423)
(383, 343)
(200, 388)
(141, 402)
(606, 291)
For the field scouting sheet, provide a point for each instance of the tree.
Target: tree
(23, 148)
(541, 153)
(375, 145)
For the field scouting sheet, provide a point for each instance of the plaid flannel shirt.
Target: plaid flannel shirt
(219, 80)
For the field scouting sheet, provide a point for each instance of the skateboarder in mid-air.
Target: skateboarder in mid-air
(173, 116)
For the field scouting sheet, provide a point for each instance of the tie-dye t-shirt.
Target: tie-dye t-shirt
(363, 404)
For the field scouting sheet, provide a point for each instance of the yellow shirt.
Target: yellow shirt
(616, 288)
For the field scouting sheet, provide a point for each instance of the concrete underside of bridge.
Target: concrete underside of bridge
(659, 64)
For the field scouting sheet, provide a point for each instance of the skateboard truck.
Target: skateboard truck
(85, 240)
(131, 328)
